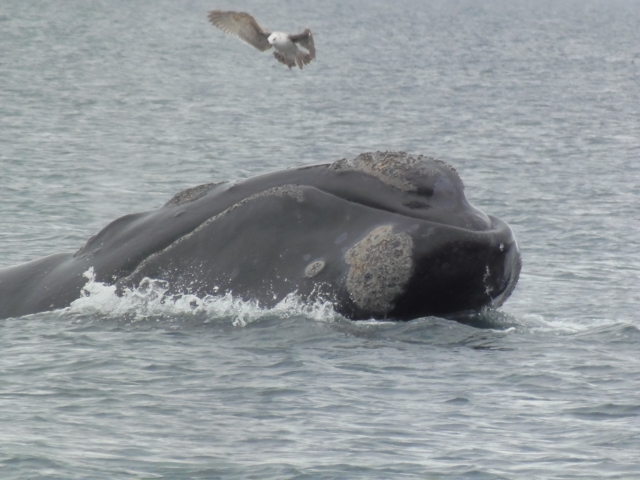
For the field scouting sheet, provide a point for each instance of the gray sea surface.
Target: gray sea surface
(110, 108)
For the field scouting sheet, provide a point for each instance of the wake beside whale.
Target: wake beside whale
(383, 235)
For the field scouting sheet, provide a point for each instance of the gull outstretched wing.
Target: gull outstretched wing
(243, 26)
(305, 40)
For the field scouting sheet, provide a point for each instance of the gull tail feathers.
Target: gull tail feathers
(286, 59)
(300, 58)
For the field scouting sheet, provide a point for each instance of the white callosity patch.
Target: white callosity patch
(486, 280)
(380, 266)
(314, 268)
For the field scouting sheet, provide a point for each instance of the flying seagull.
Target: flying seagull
(246, 28)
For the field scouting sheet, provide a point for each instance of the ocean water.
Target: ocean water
(110, 108)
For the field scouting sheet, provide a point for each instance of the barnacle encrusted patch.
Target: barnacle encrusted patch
(191, 194)
(380, 266)
(397, 169)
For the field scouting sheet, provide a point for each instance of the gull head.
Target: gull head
(277, 38)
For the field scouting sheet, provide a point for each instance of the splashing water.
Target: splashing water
(150, 299)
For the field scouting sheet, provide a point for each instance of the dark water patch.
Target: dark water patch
(458, 401)
(424, 331)
(607, 411)
(272, 394)
(484, 340)
(487, 319)
(615, 333)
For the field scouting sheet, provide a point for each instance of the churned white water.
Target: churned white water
(110, 108)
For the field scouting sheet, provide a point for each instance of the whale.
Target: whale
(384, 235)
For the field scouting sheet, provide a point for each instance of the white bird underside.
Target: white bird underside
(245, 27)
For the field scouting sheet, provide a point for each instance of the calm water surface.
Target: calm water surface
(109, 108)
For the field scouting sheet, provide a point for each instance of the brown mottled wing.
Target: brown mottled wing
(243, 26)
(305, 40)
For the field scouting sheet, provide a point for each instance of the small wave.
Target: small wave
(151, 300)
(588, 327)
(606, 411)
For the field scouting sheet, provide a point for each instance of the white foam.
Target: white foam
(151, 299)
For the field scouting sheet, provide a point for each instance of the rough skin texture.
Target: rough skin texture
(380, 265)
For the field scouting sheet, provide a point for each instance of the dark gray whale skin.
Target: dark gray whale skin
(383, 235)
